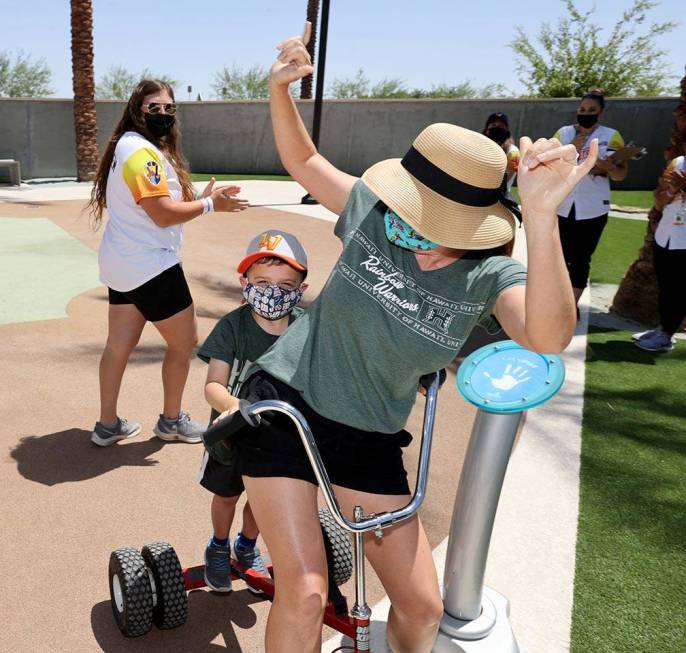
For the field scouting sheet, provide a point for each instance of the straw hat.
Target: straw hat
(450, 187)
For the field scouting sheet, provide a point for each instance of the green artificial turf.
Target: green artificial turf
(630, 584)
(617, 250)
(205, 176)
(639, 199)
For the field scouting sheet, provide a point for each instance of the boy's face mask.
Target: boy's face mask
(403, 235)
(272, 302)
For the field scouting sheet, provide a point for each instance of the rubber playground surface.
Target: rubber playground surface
(68, 503)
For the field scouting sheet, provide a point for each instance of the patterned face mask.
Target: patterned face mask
(403, 235)
(272, 302)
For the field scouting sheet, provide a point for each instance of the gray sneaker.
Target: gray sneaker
(218, 567)
(104, 436)
(252, 559)
(656, 341)
(181, 429)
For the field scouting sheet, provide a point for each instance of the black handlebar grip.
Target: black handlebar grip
(427, 379)
(231, 424)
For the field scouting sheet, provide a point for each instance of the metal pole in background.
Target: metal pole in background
(319, 89)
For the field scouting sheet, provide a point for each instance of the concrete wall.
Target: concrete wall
(236, 137)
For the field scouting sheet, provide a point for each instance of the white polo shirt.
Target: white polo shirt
(591, 196)
(671, 232)
(134, 249)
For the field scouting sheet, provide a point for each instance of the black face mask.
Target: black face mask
(498, 134)
(159, 124)
(587, 120)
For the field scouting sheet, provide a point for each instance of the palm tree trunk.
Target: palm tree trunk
(85, 122)
(313, 17)
(636, 297)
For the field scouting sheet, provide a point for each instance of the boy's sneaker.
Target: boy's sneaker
(658, 340)
(104, 436)
(218, 567)
(252, 559)
(181, 429)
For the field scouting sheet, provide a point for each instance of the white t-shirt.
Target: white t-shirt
(591, 196)
(671, 231)
(134, 249)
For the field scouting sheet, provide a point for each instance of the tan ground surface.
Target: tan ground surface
(67, 503)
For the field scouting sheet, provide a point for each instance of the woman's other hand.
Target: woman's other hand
(548, 171)
(224, 199)
(293, 62)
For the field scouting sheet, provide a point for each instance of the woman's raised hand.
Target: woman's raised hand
(548, 171)
(224, 199)
(293, 62)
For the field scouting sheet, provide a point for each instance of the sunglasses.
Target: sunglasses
(156, 107)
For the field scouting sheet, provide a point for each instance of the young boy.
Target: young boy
(272, 275)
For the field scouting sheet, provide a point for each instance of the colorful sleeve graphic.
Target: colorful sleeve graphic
(144, 174)
(616, 141)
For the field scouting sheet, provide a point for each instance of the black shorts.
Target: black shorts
(163, 296)
(360, 460)
(222, 480)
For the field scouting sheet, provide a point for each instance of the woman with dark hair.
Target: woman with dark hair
(144, 182)
(497, 128)
(582, 216)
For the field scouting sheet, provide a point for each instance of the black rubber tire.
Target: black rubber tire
(135, 616)
(339, 550)
(171, 607)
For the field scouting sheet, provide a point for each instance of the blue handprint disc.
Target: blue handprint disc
(506, 378)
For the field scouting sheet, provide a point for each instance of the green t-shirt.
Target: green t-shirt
(380, 322)
(238, 340)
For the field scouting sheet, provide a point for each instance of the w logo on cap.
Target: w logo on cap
(269, 242)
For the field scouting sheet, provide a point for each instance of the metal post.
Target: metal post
(476, 503)
(319, 89)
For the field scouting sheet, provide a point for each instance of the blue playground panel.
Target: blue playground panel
(506, 378)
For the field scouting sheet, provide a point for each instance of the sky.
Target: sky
(423, 43)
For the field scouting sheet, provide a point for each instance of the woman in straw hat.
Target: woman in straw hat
(422, 264)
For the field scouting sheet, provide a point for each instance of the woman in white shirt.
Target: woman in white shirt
(144, 182)
(669, 258)
(582, 216)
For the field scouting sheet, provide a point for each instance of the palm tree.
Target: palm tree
(85, 122)
(313, 17)
(636, 297)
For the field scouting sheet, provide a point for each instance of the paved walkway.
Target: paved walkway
(131, 494)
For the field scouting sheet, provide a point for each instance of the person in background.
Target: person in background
(497, 128)
(582, 216)
(144, 182)
(669, 259)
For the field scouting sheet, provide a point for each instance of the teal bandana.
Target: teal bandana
(403, 235)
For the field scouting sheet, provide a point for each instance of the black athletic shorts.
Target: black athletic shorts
(163, 296)
(222, 480)
(366, 461)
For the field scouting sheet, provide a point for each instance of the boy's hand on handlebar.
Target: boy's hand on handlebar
(293, 62)
(226, 413)
(224, 199)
